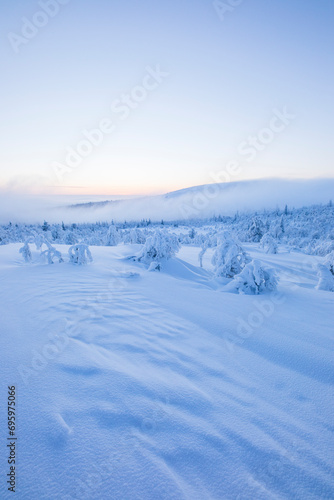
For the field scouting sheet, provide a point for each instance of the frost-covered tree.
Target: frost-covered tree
(160, 246)
(326, 279)
(204, 247)
(26, 252)
(256, 230)
(269, 243)
(329, 262)
(80, 254)
(254, 279)
(45, 226)
(51, 253)
(277, 228)
(192, 233)
(39, 240)
(326, 274)
(112, 237)
(70, 238)
(229, 257)
(136, 236)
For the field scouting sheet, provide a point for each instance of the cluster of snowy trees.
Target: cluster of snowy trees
(78, 253)
(248, 276)
(309, 230)
(50, 253)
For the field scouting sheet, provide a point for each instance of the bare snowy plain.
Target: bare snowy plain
(170, 384)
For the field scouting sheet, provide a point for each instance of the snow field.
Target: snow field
(139, 385)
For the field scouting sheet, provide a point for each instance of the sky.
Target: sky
(145, 97)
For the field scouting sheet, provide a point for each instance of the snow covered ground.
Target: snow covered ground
(139, 385)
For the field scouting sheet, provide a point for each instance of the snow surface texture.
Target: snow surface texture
(138, 385)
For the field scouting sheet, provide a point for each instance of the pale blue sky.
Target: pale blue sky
(225, 78)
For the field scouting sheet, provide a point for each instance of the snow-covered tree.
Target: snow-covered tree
(256, 230)
(277, 228)
(136, 236)
(329, 262)
(112, 237)
(70, 238)
(160, 246)
(254, 279)
(26, 252)
(326, 279)
(204, 247)
(45, 226)
(229, 257)
(326, 274)
(192, 233)
(51, 253)
(39, 240)
(269, 243)
(80, 254)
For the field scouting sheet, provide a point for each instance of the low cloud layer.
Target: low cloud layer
(196, 202)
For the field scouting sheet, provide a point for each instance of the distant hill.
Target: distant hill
(215, 199)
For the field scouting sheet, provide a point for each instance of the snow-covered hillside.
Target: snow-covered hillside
(173, 360)
(141, 385)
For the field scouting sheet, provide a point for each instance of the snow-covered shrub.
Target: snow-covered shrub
(326, 274)
(160, 246)
(326, 279)
(112, 238)
(80, 254)
(229, 257)
(269, 243)
(254, 279)
(204, 248)
(329, 262)
(154, 266)
(39, 240)
(51, 253)
(26, 252)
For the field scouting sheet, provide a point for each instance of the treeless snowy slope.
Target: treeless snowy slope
(137, 385)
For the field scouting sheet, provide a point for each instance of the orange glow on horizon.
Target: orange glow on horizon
(114, 191)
